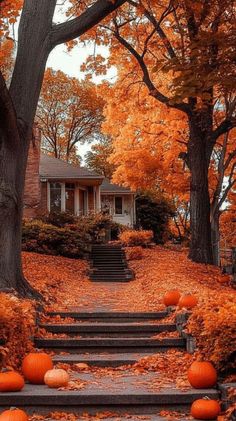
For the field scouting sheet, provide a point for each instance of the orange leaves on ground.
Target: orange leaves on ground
(17, 326)
(172, 366)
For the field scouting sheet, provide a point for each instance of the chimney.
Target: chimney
(32, 192)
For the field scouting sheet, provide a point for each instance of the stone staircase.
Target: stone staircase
(108, 263)
(108, 339)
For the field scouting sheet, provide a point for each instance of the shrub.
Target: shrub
(213, 325)
(134, 253)
(68, 236)
(17, 326)
(49, 239)
(153, 214)
(136, 238)
(59, 219)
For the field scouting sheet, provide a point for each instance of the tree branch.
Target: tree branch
(72, 29)
(153, 91)
(224, 127)
(7, 111)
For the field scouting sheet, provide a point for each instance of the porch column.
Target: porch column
(77, 200)
(98, 199)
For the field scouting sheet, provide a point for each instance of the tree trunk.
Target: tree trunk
(198, 161)
(15, 136)
(37, 37)
(12, 170)
(215, 238)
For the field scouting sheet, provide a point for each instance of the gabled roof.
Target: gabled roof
(54, 168)
(107, 187)
(51, 167)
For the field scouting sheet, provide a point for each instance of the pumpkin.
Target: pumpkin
(14, 414)
(171, 298)
(11, 381)
(35, 365)
(188, 301)
(56, 378)
(205, 409)
(202, 374)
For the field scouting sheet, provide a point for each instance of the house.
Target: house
(55, 185)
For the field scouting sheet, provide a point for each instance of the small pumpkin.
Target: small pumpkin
(14, 414)
(202, 374)
(11, 381)
(171, 298)
(56, 378)
(35, 365)
(205, 409)
(188, 301)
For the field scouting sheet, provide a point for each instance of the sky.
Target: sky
(70, 62)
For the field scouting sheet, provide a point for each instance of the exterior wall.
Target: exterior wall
(32, 193)
(43, 208)
(90, 199)
(128, 215)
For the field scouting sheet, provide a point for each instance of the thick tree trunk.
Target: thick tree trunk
(215, 238)
(12, 170)
(37, 37)
(15, 135)
(200, 244)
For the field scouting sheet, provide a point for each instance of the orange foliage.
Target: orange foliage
(136, 238)
(69, 112)
(17, 326)
(6, 59)
(9, 11)
(134, 253)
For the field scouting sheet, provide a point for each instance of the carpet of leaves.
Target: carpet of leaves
(159, 270)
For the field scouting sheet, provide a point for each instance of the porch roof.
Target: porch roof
(54, 168)
(107, 187)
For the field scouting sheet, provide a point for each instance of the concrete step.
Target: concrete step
(119, 393)
(107, 275)
(107, 343)
(132, 417)
(110, 271)
(101, 359)
(110, 265)
(114, 317)
(109, 328)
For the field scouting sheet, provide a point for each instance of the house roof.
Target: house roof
(51, 167)
(107, 187)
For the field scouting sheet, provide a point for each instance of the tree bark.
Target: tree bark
(37, 37)
(215, 238)
(198, 161)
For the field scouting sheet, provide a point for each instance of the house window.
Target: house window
(118, 205)
(55, 197)
(70, 197)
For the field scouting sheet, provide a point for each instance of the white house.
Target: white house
(55, 185)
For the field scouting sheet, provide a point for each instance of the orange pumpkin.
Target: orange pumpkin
(188, 301)
(56, 378)
(202, 374)
(171, 298)
(11, 381)
(205, 409)
(14, 414)
(35, 365)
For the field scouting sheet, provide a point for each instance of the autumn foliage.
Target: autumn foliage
(17, 328)
(136, 238)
